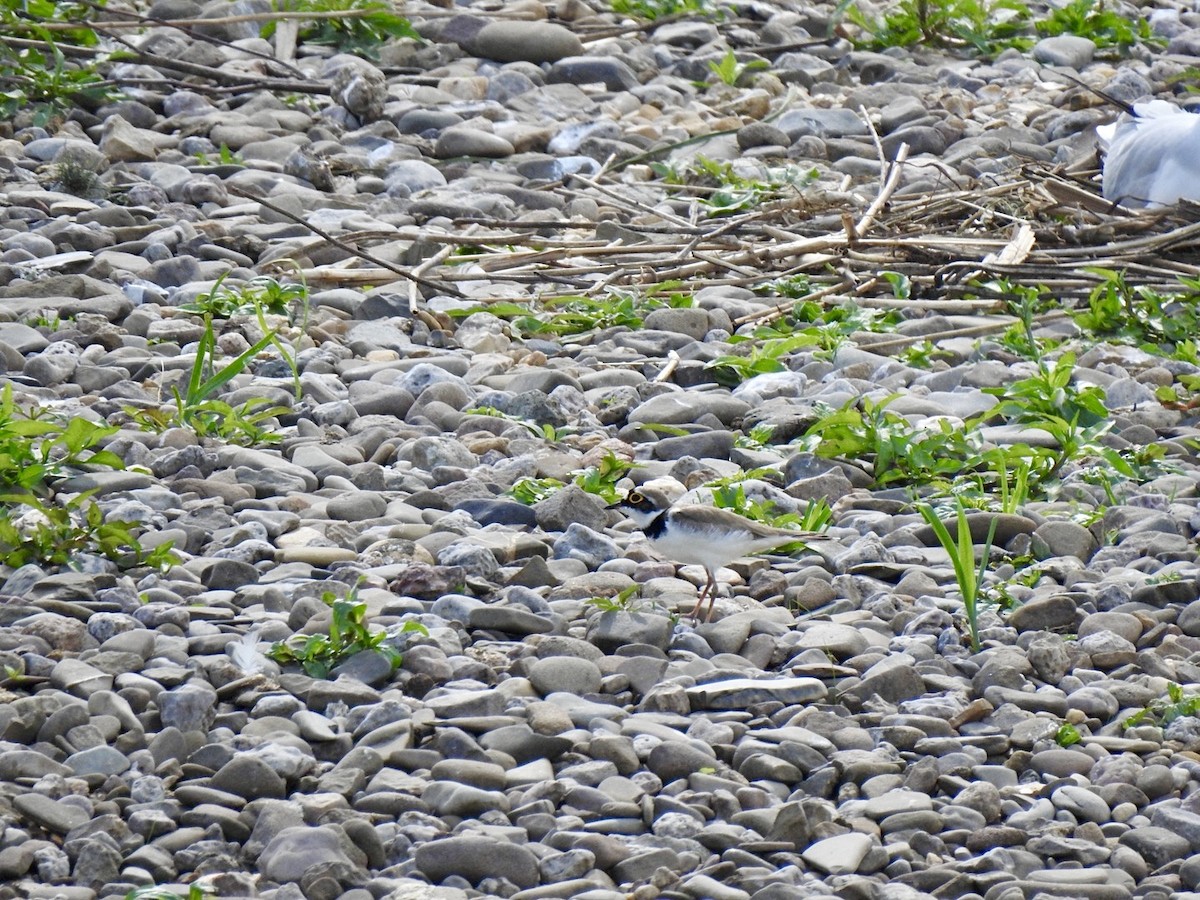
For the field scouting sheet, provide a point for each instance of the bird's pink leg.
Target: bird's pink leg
(712, 595)
(700, 600)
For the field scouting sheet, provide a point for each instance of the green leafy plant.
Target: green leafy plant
(35, 74)
(794, 286)
(197, 407)
(732, 496)
(1165, 577)
(900, 283)
(533, 490)
(537, 429)
(50, 319)
(1161, 323)
(249, 424)
(1097, 21)
(757, 438)
(1076, 442)
(1067, 735)
(36, 525)
(816, 516)
(762, 358)
(1007, 478)
(808, 324)
(225, 157)
(896, 452)
(724, 190)
(629, 600)
(349, 634)
(847, 318)
(921, 355)
(1050, 392)
(579, 314)
(260, 295)
(1165, 710)
(1182, 396)
(1026, 303)
(626, 600)
(36, 448)
(1014, 494)
(365, 26)
(978, 25)
(961, 550)
(195, 891)
(52, 532)
(659, 9)
(33, 450)
(729, 71)
(602, 480)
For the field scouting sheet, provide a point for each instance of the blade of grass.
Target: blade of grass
(962, 557)
(196, 376)
(231, 369)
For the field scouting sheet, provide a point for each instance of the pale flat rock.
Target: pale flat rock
(839, 855)
(738, 693)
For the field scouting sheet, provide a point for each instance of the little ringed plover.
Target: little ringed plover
(703, 535)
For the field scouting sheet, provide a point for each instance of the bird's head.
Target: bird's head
(641, 506)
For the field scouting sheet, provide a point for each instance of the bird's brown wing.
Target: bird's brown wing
(710, 517)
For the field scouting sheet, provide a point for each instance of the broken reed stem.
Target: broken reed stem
(669, 369)
(414, 293)
(885, 193)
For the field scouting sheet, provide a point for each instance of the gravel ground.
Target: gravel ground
(830, 734)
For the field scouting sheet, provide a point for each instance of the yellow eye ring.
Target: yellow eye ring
(634, 497)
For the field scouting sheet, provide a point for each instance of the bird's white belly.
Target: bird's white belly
(707, 547)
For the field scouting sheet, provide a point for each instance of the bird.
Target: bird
(702, 535)
(1151, 156)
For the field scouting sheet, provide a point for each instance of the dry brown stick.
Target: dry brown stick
(559, 273)
(375, 275)
(604, 283)
(634, 252)
(669, 369)
(1136, 245)
(950, 197)
(569, 223)
(334, 274)
(954, 305)
(691, 245)
(569, 248)
(758, 256)
(885, 193)
(403, 272)
(719, 263)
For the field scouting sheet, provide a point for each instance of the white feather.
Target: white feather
(245, 655)
(1153, 156)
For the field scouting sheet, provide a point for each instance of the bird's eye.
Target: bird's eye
(634, 497)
